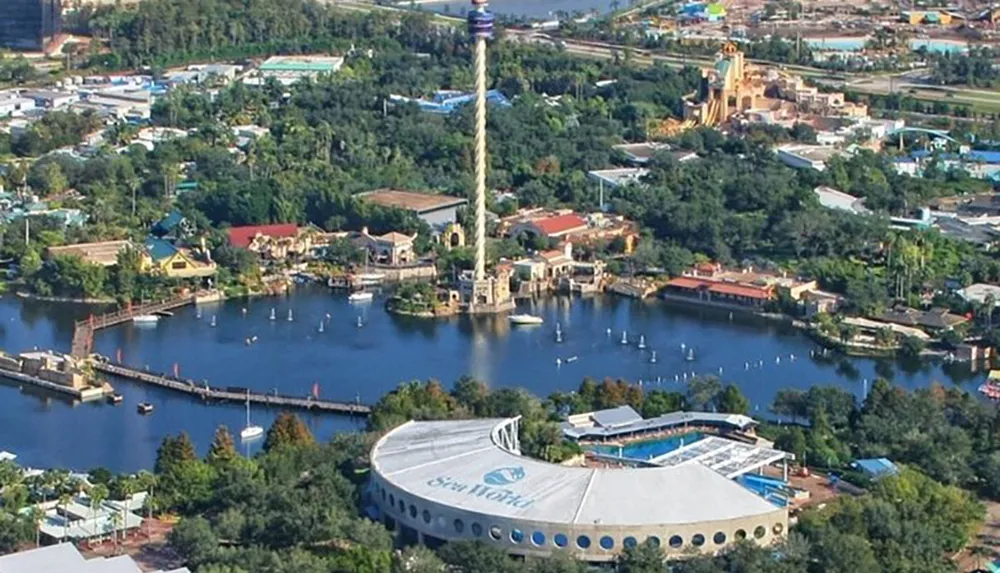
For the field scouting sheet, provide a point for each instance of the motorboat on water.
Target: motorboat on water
(146, 319)
(144, 408)
(115, 398)
(525, 319)
(360, 296)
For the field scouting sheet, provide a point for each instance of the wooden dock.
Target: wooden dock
(208, 393)
(83, 330)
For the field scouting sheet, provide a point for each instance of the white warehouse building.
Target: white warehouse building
(434, 482)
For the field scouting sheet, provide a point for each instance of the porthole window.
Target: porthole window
(740, 534)
(698, 540)
(538, 538)
(516, 535)
(427, 516)
(676, 541)
(629, 542)
(719, 538)
(653, 540)
(495, 532)
(477, 530)
(778, 528)
(583, 542)
(460, 526)
(560, 540)
(759, 531)
(607, 543)
(413, 511)
(392, 500)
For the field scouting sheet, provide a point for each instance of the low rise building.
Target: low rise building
(711, 284)
(619, 176)
(834, 199)
(163, 257)
(51, 99)
(277, 242)
(640, 154)
(394, 249)
(807, 156)
(14, 105)
(288, 70)
(980, 293)
(934, 320)
(436, 210)
(104, 253)
(57, 368)
(447, 102)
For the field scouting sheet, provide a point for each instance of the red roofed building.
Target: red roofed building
(554, 227)
(273, 241)
(722, 293)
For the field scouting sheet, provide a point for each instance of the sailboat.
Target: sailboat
(290, 317)
(273, 315)
(250, 432)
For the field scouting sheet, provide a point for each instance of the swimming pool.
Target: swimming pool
(646, 449)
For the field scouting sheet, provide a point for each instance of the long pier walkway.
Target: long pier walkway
(83, 330)
(206, 392)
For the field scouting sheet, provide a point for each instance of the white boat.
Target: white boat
(525, 319)
(146, 319)
(369, 279)
(250, 432)
(360, 296)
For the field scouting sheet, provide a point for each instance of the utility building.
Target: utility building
(29, 25)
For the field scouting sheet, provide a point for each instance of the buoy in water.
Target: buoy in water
(624, 337)
(652, 358)
(273, 315)
(321, 323)
(608, 332)
(197, 314)
(777, 360)
(558, 361)
(642, 341)
(360, 322)
(213, 321)
(290, 315)
(683, 346)
(244, 310)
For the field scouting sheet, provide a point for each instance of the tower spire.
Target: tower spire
(480, 29)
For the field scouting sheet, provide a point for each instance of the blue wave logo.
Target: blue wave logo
(504, 476)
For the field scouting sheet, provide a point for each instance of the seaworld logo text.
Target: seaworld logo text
(495, 478)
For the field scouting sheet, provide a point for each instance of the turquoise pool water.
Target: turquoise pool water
(857, 44)
(647, 449)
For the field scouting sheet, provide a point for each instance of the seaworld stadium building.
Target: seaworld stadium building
(441, 481)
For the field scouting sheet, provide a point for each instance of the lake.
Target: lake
(348, 363)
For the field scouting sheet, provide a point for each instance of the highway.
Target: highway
(864, 84)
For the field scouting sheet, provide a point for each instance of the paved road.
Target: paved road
(866, 84)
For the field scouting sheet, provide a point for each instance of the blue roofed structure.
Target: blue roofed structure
(876, 467)
(446, 102)
(168, 225)
(159, 249)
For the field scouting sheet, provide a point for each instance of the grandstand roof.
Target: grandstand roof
(666, 421)
(458, 464)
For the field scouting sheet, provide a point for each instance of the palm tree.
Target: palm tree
(97, 494)
(37, 516)
(64, 500)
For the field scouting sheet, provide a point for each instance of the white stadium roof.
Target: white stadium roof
(458, 464)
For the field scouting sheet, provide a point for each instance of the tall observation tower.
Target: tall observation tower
(482, 293)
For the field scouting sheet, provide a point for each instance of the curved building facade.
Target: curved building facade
(466, 480)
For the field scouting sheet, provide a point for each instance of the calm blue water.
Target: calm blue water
(857, 44)
(648, 449)
(348, 363)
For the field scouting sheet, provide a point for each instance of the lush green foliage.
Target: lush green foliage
(975, 68)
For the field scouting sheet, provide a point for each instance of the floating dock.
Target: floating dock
(208, 393)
